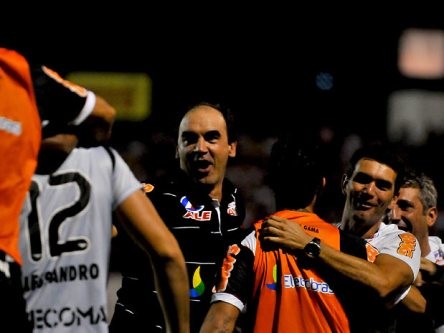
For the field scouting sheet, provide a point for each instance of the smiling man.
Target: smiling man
(201, 207)
(416, 211)
(393, 255)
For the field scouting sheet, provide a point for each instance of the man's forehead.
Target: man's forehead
(203, 121)
(409, 192)
(205, 133)
(367, 165)
(371, 163)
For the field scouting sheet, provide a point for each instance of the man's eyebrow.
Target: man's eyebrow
(404, 203)
(212, 133)
(184, 133)
(365, 178)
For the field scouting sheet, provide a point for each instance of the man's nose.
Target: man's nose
(369, 187)
(395, 215)
(200, 145)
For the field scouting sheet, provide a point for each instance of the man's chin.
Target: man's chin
(204, 179)
(201, 176)
(366, 216)
(405, 227)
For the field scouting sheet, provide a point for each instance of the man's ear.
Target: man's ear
(344, 183)
(232, 149)
(431, 216)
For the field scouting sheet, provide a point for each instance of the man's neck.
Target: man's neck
(425, 246)
(359, 229)
(54, 151)
(216, 193)
(213, 191)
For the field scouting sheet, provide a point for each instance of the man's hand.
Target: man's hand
(280, 231)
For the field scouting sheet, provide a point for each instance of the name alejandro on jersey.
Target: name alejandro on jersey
(61, 274)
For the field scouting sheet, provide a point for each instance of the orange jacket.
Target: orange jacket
(20, 135)
(289, 297)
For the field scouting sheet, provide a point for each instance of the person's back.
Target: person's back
(383, 276)
(31, 99)
(66, 237)
(288, 294)
(20, 133)
(283, 291)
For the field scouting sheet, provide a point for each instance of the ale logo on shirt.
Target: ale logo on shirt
(195, 213)
(189, 206)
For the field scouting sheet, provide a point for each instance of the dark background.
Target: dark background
(260, 61)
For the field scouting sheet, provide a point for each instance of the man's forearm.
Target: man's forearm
(363, 271)
(170, 277)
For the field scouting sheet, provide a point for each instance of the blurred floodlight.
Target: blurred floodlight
(421, 53)
(413, 114)
(324, 81)
(129, 93)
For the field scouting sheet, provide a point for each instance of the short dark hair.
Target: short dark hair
(295, 172)
(227, 113)
(384, 153)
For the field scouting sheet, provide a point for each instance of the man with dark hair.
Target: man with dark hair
(66, 226)
(282, 291)
(203, 210)
(393, 255)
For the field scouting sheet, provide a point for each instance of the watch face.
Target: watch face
(313, 248)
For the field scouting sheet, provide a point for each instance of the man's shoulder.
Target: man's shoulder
(229, 186)
(167, 187)
(97, 156)
(389, 229)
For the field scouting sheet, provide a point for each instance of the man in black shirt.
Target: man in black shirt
(201, 207)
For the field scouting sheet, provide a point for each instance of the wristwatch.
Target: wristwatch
(313, 248)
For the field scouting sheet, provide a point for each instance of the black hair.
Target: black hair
(227, 113)
(381, 152)
(295, 172)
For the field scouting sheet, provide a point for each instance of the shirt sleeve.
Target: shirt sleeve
(124, 181)
(404, 246)
(60, 100)
(401, 245)
(235, 277)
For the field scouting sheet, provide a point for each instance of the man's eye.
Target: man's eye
(188, 139)
(362, 178)
(383, 185)
(212, 136)
(404, 205)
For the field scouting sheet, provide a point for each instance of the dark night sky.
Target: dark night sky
(260, 62)
(262, 65)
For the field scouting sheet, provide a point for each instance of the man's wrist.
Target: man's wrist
(313, 248)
